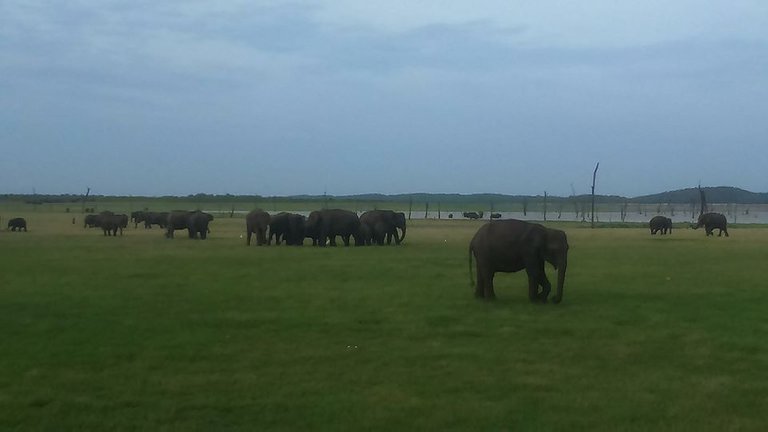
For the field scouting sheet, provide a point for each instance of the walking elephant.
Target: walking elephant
(712, 221)
(17, 224)
(380, 224)
(137, 217)
(288, 227)
(660, 224)
(327, 224)
(512, 245)
(195, 222)
(257, 222)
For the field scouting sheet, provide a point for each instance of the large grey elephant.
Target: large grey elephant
(513, 245)
(155, 218)
(257, 221)
(288, 227)
(712, 221)
(380, 224)
(327, 224)
(660, 224)
(195, 222)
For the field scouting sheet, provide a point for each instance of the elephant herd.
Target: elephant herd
(195, 222)
(498, 246)
(324, 226)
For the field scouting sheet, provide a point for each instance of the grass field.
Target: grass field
(143, 333)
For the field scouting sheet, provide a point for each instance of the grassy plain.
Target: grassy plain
(143, 333)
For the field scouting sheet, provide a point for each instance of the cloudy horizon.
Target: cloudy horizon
(289, 98)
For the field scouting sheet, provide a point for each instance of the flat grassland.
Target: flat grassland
(143, 333)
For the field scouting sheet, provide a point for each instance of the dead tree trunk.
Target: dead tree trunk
(594, 176)
(545, 206)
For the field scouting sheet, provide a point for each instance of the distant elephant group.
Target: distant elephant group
(710, 222)
(324, 226)
(195, 222)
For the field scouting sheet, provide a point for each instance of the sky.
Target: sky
(345, 96)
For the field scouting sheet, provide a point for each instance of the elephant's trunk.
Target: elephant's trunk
(400, 239)
(560, 280)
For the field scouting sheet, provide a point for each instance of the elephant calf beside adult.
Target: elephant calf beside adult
(512, 245)
(660, 224)
(17, 224)
(376, 225)
(195, 222)
(711, 222)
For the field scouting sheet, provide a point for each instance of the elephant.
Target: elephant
(257, 222)
(327, 224)
(195, 222)
(712, 221)
(471, 215)
(380, 224)
(512, 245)
(137, 217)
(92, 221)
(495, 215)
(111, 223)
(155, 218)
(17, 224)
(288, 227)
(660, 224)
(311, 231)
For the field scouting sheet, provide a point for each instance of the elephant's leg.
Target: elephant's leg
(725, 231)
(345, 239)
(546, 287)
(488, 292)
(480, 281)
(332, 239)
(248, 238)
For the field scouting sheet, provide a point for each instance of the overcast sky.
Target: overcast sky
(153, 97)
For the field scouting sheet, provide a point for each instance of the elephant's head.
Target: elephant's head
(399, 222)
(555, 252)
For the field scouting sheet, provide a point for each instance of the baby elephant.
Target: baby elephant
(17, 224)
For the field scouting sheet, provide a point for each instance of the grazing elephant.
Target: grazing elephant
(495, 215)
(288, 227)
(257, 222)
(111, 223)
(17, 224)
(660, 224)
(335, 222)
(92, 221)
(471, 215)
(155, 218)
(380, 224)
(195, 222)
(712, 221)
(512, 245)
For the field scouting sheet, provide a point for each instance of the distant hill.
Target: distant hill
(720, 194)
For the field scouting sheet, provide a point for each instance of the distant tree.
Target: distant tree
(545, 205)
(525, 206)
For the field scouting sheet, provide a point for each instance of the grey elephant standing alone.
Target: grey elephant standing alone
(712, 221)
(111, 223)
(513, 245)
(257, 222)
(17, 224)
(661, 225)
(376, 225)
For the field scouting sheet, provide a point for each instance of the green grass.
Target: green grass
(144, 333)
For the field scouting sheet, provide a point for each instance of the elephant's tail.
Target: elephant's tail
(471, 278)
